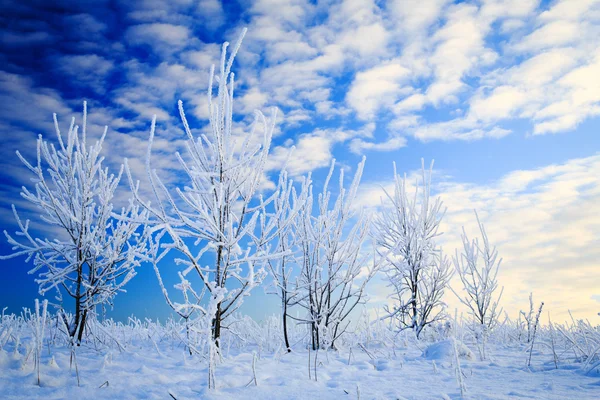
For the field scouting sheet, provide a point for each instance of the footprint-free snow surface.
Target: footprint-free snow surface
(415, 371)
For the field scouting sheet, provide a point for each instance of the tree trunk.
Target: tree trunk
(414, 293)
(317, 339)
(335, 331)
(220, 282)
(75, 325)
(285, 333)
(216, 331)
(187, 333)
(81, 327)
(313, 335)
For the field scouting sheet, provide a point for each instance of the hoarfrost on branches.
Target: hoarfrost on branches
(220, 212)
(95, 250)
(334, 269)
(479, 279)
(286, 207)
(418, 271)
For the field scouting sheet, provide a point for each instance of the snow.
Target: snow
(443, 350)
(140, 371)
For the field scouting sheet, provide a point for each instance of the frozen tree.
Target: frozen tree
(286, 207)
(418, 271)
(334, 270)
(93, 251)
(216, 215)
(477, 266)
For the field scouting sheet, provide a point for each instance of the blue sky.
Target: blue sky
(504, 95)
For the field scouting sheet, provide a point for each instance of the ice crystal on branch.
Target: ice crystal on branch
(334, 269)
(95, 250)
(418, 270)
(220, 214)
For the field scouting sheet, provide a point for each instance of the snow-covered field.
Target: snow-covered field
(145, 360)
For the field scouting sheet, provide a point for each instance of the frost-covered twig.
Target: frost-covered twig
(334, 271)
(220, 212)
(96, 249)
(458, 370)
(535, 326)
(479, 282)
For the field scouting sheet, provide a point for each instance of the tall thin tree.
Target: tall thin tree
(217, 213)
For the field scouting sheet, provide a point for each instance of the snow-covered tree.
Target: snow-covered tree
(477, 266)
(93, 251)
(334, 270)
(418, 271)
(286, 207)
(216, 215)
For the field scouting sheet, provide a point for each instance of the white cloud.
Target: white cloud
(291, 50)
(375, 88)
(292, 12)
(202, 56)
(313, 150)
(501, 103)
(18, 39)
(163, 38)
(522, 90)
(545, 222)
(24, 104)
(457, 129)
(544, 68)
(414, 102)
(490, 61)
(415, 16)
(556, 33)
(252, 99)
(359, 146)
(366, 40)
(496, 9)
(211, 13)
(87, 70)
(460, 47)
(578, 99)
(357, 12)
(290, 80)
(571, 10)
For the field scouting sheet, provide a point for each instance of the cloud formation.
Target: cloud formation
(477, 66)
(347, 78)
